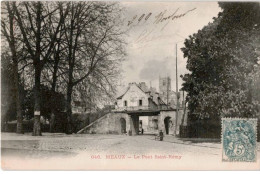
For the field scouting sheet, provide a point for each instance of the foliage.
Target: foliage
(223, 63)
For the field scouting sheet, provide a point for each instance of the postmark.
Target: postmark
(239, 140)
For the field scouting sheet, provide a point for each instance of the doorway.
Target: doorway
(123, 125)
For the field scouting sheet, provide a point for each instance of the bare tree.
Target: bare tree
(72, 43)
(93, 39)
(33, 19)
(8, 32)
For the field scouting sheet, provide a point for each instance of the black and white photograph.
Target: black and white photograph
(130, 85)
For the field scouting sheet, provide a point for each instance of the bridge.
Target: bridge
(125, 120)
(143, 111)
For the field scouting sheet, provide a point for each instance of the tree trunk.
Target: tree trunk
(37, 99)
(11, 41)
(52, 122)
(52, 119)
(69, 111)
(19, 116)
(37, 68)
(53, 87)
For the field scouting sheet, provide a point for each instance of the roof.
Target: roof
(121, 96)
(161, 102)
(153, 101)
(146, 92)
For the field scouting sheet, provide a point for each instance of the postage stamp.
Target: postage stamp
(129, 85)
(239, 140)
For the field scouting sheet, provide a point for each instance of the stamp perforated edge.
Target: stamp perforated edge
(255, 129)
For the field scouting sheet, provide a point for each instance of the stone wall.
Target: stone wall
(111, 123)
(108, 124)
(172, 121)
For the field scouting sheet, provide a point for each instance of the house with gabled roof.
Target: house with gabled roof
(139, 97)
(138, 110)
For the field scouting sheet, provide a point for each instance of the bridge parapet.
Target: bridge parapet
(133, 108)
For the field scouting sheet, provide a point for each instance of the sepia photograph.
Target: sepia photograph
(130, 85)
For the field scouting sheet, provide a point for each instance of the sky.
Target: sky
(151, 41)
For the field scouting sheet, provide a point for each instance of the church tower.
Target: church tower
(165, 88)
(164, 85)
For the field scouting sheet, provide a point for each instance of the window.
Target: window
(125, 102)
(140, 102)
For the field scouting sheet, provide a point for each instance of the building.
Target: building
(168, 95)
(164, 85)
(139, 97)
(138, 108)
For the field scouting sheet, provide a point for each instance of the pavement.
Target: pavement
(24, 148)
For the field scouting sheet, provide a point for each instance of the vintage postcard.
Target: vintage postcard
(122, 85)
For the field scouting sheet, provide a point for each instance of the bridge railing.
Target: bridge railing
(134, 108)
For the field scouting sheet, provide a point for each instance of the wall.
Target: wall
(132, 96)
(172, 125)
(109, 124)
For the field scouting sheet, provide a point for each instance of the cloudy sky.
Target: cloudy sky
(151, 42)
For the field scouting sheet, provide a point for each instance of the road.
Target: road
(106, 151)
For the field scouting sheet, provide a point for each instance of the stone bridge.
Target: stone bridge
(120, 122)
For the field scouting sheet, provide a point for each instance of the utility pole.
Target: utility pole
(177, 100)
(183, 100)
(167, 90)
